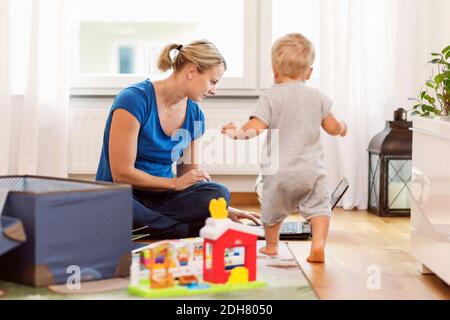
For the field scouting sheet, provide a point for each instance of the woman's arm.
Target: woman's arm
(123, 138)
(250, 129)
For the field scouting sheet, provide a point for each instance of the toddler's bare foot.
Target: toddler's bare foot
(269, 250)
(317, 255)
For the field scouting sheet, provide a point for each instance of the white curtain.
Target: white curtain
(373, 58)
(33, 87)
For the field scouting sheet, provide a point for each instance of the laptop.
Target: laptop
(301, 230)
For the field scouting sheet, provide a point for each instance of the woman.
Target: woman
(153, 125)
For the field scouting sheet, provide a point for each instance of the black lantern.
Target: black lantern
(390, 168)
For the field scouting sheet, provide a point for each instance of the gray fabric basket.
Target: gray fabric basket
(69, 225)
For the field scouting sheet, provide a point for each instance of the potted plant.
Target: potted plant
(434, 99)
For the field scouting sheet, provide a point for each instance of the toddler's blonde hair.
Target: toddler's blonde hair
(292, 55)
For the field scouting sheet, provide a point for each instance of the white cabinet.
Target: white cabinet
(430, 205)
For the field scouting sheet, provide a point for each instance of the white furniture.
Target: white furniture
(430, 205)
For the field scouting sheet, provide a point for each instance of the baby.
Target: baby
(297, 112)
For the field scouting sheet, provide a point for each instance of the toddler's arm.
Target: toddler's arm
(334, 127)
(250, 129)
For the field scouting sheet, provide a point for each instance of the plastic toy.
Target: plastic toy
(159, 259)
(224, 257)
(221, 234)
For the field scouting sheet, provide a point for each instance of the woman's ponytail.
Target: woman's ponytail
(202, 53)
(165, 61)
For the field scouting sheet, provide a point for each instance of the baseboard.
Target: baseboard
(244, 198)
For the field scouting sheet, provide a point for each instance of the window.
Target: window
(115, 43)
(111, 38)
(126, 60)
(287, 16)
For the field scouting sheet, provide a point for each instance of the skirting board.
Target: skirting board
(244, 199)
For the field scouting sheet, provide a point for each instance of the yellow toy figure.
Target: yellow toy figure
(156, 259)
(183, 256)
(218, 208)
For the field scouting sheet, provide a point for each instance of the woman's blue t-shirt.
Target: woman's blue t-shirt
(156, 152)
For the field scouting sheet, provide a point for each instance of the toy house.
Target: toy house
(220, 235)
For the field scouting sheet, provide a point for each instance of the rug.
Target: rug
(284, 277)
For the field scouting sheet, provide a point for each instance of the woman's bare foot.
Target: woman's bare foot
(317, 255)
(269, 250)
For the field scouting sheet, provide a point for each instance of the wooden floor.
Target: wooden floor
(361, 246)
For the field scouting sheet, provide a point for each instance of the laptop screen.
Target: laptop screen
(338, 192)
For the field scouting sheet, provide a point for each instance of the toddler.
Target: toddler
(297, 112)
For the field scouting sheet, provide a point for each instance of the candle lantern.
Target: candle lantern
(390, 168)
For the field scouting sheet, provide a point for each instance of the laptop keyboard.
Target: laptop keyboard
(292, 227)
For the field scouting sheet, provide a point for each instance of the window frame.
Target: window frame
(86, 84)
(265, 67)
(257, 75)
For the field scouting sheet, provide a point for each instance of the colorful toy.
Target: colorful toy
(221, 234)
(225, 256)
(159, 259)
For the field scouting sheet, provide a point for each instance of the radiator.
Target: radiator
(85, 139)
(219, 155)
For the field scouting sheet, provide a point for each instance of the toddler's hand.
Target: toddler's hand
(230, 126)
(343, 129)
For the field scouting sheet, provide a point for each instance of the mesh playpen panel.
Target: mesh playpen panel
(41, 185)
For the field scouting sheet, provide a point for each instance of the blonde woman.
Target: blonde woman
(154, 124)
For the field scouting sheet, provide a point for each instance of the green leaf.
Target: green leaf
(414, 113)
(447, 85)
(447, 49)
(439, 78)
(436, 54)
(426, 114)
(417, 108)
(430, 84)
(422, 94)
(430, 99)
(447, 55)
(428, 108)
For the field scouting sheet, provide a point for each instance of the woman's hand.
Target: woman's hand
(190, 178)
(207, 176)
(236, 215)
